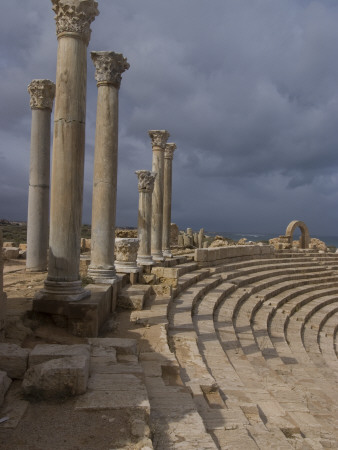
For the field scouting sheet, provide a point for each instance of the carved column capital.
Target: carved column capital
(109, 67)
(75, 17)
(159, 138)
(146, 180)
(42, 93)
(169, 151)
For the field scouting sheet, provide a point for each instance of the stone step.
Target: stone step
(327, 342)
(134, 296)
(189, 279)
(169, 275)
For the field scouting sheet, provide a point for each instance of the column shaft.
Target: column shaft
(68, 161)
(105, 179)
(157, 204)
(38, 195)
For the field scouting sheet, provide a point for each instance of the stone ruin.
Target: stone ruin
(204, 338)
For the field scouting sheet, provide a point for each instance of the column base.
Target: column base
(158, 256)
(145, 260)
(126, 267)
(71, 291)
(102, 276)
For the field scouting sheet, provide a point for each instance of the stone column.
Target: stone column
(146, 181)
(73, 19)
(167, 188)
(109, 67)
(159, 139)
(2, 294)
(42, 93)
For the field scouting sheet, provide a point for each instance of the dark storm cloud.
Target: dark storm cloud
(247, 89)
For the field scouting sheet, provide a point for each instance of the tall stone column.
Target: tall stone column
(73, 19)
(109, 67)
(146, 180)
(2, 294)
(167, 188)
(159, 139)
(42, 93)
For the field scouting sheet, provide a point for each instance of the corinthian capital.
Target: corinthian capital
(158, 138)
(42, 94)
(109, 67)
(146, 180)
(169, 150)
(75, 16)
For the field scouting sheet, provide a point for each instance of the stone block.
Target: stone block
(8, 244)
(10, 252)
(45, 352)
(22, 254)
(122, 346)
(57, 378)
(5, 382)
(23, 247)
(133, 297)
(201, 254)
(13, 360)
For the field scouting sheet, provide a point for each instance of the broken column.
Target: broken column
(159, 139)
(126, 254)
(146, 181)
(73, 19)
(2, 294)
(109, 67)
(42, 93)
(167, 189)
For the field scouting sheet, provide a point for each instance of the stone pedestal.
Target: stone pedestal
(146, 181)
(73, 18)
(109, 67)
(126, 254)
(42, 93)
(159, 139)
(167, 189)
(2, 295)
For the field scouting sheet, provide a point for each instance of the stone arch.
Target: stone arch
(305, 236)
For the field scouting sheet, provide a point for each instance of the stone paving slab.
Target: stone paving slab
(100, 400)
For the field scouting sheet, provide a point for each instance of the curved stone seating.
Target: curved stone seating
(327, 338)
(311, 336)
(227, 341)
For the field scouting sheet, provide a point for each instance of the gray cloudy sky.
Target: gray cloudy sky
(248, 90)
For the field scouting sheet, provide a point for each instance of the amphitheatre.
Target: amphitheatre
(156, 338)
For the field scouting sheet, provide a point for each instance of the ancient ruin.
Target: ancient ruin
(158, 140)
(42, 93)
(146, 181)
(109, 67)
(184, 341)
(167, 188)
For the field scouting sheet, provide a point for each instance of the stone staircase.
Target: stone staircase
(247, 355)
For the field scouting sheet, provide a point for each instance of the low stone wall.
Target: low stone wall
(218, 255)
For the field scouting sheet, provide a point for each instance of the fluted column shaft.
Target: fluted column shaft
(159, 139)
(42, 94)
(146, 181)
(73, 18)
(167, 190)
(109, 66)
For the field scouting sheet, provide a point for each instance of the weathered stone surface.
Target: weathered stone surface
(8, 244)
(13, 360)
(57, 378)
(174, 232)
(45, 352)
(5, 382)
(122, 346)
(10, 252)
